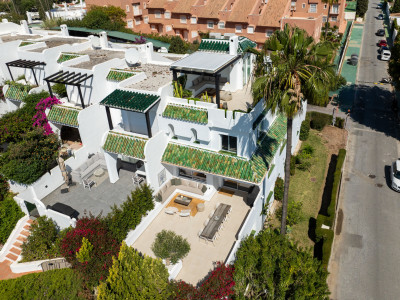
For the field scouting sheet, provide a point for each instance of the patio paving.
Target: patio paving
(99, 198)
(201, 257)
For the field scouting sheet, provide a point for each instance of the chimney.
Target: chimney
(25, 28)
(149, 50)
(64, 30)
(103, 40)
(233, 45)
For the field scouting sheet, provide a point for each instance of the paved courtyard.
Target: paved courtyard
(99, 199)
(202, 255)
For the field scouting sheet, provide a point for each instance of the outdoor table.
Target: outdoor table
(216, 220)
(99, 172)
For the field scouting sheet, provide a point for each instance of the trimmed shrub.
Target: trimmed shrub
(361, 8)
(126, 217)
(319, 120)
(10, 213)
(294, 213)
(40, 244)
(170, 246)
(279, 189)
(327, 247)
(304, 130)
(339, 122)
(54, 284)
(336, 182)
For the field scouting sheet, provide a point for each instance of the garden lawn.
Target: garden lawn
(303, 189)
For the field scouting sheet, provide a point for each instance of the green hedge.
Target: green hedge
(326, 235)
(319, 120)
(304, 130)
(10, 213)
(55, 284)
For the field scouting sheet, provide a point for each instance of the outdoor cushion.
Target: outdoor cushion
(193, 184)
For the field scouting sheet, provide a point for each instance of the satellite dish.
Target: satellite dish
(132, 56)
(95, 42)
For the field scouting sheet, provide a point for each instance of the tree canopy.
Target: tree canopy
(133, 276)
(270, 266)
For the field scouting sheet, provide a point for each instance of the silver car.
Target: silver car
(395, 175)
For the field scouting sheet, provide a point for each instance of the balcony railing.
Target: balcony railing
(137, 12)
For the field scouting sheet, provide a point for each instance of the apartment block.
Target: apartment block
(254, 19)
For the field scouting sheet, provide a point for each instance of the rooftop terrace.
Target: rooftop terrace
(10, 38)
(57, 41)
(98, 57)
(157, 76)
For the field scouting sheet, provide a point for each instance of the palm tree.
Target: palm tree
(330, 3)
(297, 69)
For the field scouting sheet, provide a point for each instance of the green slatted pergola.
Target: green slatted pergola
(130, 101)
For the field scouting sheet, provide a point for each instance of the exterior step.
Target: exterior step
(12, 256)
(27, 227)
(25, 233)
(17, 244)
(15, 251)
(30, 221)
(21, 238)
(8, 261)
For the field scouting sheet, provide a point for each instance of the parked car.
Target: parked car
(385, 55)
(383, 48)
(379, 5)
(395, 175)
(380, 17)
(380, 32)
(382, 43)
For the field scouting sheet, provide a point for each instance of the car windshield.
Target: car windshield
(396, 173)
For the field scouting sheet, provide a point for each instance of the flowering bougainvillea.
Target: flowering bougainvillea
(40, 119)
(218, 285)
(139, 40)
(104, 248)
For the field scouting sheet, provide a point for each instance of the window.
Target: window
(193, 20)
(137, 21)
(153, 27)
(238, 186)
(210, 24)
(194, 34)
(324, 19)
(183, 19)
(250, 29)
(144, 5)
(221, 25)
(167, 15)
(157, 14)
(168, 28)
(303, 5)
(334, 19)
(293, 4)
(335, 9)
(229, 143)
(130, 23)
(177, 32)
(146, 19)
(192, 175)
(268, 33)
(238, 28)
(325, 6)
(127, 8)
(313, 8)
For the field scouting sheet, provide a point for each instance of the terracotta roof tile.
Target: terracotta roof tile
(211, 9)
(157, 4)
(273, 13)
(240, 10)
(184, 6)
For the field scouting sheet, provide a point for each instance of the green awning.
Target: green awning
(64, 115)
(128, 100)
(124, 144)
(245, 43)
(118, 35)
(186, 113)
(250, 170)
(119, 75)
(219, 45)
(17, 92)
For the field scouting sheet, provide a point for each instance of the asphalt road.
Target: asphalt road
(365, 261)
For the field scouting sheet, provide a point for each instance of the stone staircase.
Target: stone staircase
(15, 250)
